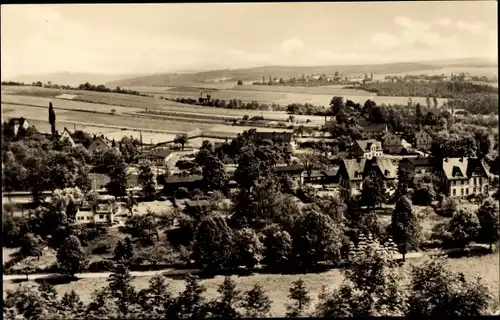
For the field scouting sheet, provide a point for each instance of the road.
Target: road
(170, 271)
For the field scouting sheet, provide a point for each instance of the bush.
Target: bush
(446, 207)
(101, 266)
(102, 247)
(182, 193)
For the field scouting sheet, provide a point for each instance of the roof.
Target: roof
(332, 172)
(354, 168)
(179, 179)
(419, 161)
(163, 153)
(106, 142)
(473, 164)
(421, 132)
(19, 121)
(363, 144)
(455, 168)
(387, 168)
(297, 167)
(374, 127)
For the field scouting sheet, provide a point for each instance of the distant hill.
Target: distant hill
(72, 78)
(169, 79)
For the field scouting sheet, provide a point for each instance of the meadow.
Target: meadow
(473, 71)
(277, 285)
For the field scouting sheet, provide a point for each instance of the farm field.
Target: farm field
(129, 103)
(277, 285)
(329, 90)
(117, 121)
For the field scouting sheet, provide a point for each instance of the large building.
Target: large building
(462, 177)
(158, 157)
(391, 143)
(366, 149)
(423, 140)
(103, 213)
(352, 172)
(99, 144)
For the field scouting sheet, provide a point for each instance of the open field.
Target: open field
(120, 122)
(277, 285)
(329, 90)
(473, 71)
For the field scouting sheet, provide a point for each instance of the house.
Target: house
(462, 177)
(321, 177)
(352, 172)
(67, 136)
(367, 148)
(416, 168)
(391, 143)
(159, 157)
(102, 215)
(99, 144)
(18, 123)
(423, 140)
(294, 172)
(173, 183)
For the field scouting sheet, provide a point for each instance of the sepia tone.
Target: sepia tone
(250, 160)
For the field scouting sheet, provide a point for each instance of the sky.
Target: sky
(154, 38)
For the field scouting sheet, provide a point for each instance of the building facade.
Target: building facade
(367, 149)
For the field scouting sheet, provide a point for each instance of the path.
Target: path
(170, 271)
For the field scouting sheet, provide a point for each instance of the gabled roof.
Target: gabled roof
(354, 168)
(455, 168)
(418, 162)
(161, 153)
(387, 168)
(363, 144)
(421, 133)
(474, 163)
(19, 121)
(106, 142)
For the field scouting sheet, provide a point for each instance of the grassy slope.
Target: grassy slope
(277, 286)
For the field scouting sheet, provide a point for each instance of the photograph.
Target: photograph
(232, 160)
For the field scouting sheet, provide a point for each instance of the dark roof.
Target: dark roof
(354, 168)
(179, 179)
(420, 162)
(297, 167)
(473, 164)
(19, 121)
(163, 153)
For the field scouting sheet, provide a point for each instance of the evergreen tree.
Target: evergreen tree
(121, 289)
(255, 302)
(145, 179)
(225, 305)
(52, 119)
(405, 226)
(488, 221)
(301, 299)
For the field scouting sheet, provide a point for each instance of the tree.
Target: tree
(247, 248)
(213, 244)
(191, 302)
(372, 287)
(435, 291)
(428, 102)
(309, 161)
(143, 227)
(463, 227)
(336, 104)
(72, 305)
(316, 238)
(124, 250)
(121, 289)
(181, 139)
(214, 174)
(405, 226)
(71, 257)
(435, 101)
(52, 119)
(419, 114)
(225, 305)
(373, 192)
(488, 220)
(299, 294)
(277, 246)
(145, 178)
(117, 185)
(255, 302)
(157, 298)
(31, 245)
(240, 83)
(131, 203)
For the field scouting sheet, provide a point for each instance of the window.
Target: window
(101, 216)
(454, 192)
(461, 191)
(466, 190)
(475, 181)
(454, 183)
(88, 218)
(474, 189)
(480, 180)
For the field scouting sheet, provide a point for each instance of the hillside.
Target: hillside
(257, 73)
(71, 78)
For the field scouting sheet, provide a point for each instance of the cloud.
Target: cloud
(472, 27)
(408, 23)
(291, 45)
(444, 22)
